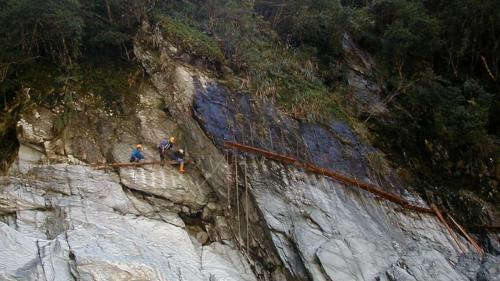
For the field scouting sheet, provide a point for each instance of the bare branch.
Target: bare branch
(488, 68)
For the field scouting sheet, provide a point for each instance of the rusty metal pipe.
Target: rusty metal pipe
(139, 164)
(467, 236)
(331, 174)
(461, 247)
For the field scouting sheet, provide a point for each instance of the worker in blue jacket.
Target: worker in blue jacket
(165, 146)
(137, 155)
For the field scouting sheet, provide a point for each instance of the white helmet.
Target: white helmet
(181, 150)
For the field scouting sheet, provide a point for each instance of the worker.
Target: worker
(179, 157)
(137, 155)
(164, 146)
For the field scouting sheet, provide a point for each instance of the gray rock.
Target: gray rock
(490, 269)
(75, 223)
(337, 233)
(166, 182)
(35, 126)
(469, 265)
(29, 156)
(217, 254)
(366, 92)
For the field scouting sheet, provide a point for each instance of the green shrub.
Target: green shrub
(189, 39)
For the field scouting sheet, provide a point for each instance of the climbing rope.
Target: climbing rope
(270, 137)
(237, 193)
(228, 181)
(246, 204)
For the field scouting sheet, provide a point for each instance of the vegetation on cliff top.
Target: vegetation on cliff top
(189, 39)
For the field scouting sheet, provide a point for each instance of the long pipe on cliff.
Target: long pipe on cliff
(99, 166)
(461, 247)
(485, 226)
(331, 174)
(365, 186)
(466, 235)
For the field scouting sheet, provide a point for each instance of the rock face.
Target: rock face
(333, 232)
(231, 217)
(322, 229)
(71, 222)
(365, 91)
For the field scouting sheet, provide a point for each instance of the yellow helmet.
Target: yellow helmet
(139, 145)
(172, 139)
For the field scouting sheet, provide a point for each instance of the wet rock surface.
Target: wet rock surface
(230, 116)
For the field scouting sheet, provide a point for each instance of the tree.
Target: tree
(51, 28)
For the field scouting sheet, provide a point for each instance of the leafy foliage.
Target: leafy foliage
(191, 40)
(35, 28)
(408, 35)
(269, 67)
(446, 104)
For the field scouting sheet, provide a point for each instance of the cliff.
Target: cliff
(233, 216)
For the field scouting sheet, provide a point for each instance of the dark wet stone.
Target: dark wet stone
(237, 117)
(210, 109)
(344, 132)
